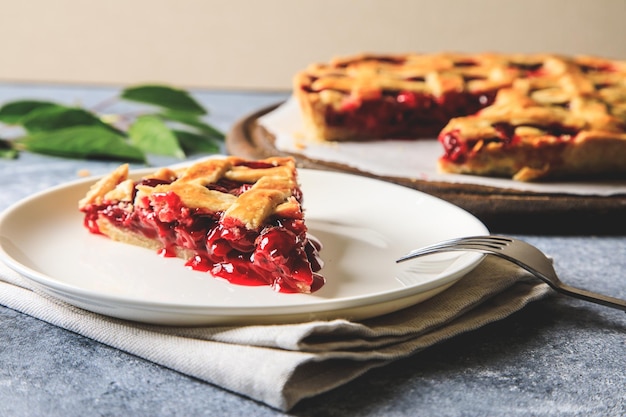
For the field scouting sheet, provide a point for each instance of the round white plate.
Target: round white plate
(364, 225)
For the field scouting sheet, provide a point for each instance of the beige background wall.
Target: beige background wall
(260, 44)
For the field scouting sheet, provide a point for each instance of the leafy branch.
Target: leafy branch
(173, 127)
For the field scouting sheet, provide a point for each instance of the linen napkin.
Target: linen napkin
(283, 364)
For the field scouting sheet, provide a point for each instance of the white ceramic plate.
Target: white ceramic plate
(364, 225)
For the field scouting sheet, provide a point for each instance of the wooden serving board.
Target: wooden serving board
(502, 210)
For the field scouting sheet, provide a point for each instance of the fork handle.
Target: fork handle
(592, 297)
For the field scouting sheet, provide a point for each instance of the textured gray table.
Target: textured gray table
(557, 357)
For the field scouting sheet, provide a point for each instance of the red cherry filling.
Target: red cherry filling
(405, 114)
(457, 148)
(506, 132)
(454, 147)
(279, 254)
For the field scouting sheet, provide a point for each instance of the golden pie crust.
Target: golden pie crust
(271, 191)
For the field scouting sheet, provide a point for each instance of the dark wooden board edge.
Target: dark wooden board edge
(502, 210)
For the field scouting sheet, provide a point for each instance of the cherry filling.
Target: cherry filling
(405, 114)
(506, 133)
(279, 254)
(598, 68)
(454, 147)
(528, 68)
(457, 148)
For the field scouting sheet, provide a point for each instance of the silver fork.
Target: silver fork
(522, 254)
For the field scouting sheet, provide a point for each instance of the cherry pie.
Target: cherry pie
(238, 219)
(521, 116)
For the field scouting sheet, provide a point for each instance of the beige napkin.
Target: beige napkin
(282, 364)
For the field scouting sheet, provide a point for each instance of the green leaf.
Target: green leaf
(13, 112)
(152, 135)
(193, 143)
(7, 151)
(193, 121)
(164, 96)
(55, 129)
(60, 117)
(85, 142)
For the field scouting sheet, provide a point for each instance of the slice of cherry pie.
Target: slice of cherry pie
(238, 219)
(513, 115)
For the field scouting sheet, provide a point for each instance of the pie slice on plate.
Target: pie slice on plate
(238, 219)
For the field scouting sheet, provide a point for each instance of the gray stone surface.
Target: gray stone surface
(557, 357)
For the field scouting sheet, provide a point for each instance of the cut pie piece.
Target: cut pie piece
(238, 219)
(522, 116)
